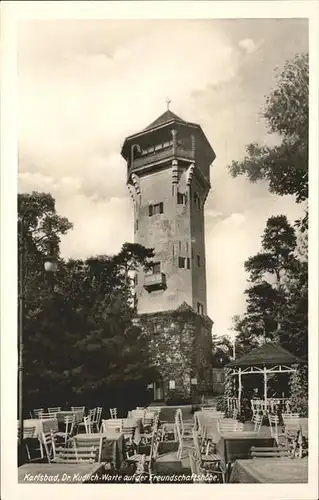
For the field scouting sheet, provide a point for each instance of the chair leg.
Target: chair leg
(28, 451)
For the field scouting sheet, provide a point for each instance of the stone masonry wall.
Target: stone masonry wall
(180, 345)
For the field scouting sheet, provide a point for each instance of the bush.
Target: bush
(299, 390)
(221, 403)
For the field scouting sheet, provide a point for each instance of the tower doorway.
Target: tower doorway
(158, 390)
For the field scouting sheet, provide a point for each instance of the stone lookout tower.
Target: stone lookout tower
(168, 176)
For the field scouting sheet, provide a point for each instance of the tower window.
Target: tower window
(136, 225)
(198, 260)
(184, 263)
(197, 200)
(181, 198)
(156, 268)
(156, 209)
(181, 262)
(200, 308)
(136, 279)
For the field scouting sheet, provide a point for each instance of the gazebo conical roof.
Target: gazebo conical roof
(267, 354)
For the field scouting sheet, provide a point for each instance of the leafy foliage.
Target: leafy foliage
(284, 166)
(299, 390)
(222, 350)
(80, 344)
(277, 294)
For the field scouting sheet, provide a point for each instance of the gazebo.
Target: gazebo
(268, 359)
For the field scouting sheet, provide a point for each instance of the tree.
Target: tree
(284, 166)
(222, 350)
(277, 295)
(80, 346)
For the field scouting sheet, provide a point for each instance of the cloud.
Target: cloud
(249, 45)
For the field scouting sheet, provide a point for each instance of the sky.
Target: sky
(84, 85)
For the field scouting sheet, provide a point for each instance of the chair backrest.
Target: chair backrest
(257, 419)
(113, 412)
(114, 424)
(78, 408)
(37, 412)
(28, 432)
(193, 463)
(291, 420)
(98, 414)
(227, 425)
(69, 422)
(92, 414)
(197, 450)
(45, 416)
(269, 452)
(148, 418)
(87, 424)
(73, 453)
(138, 414)
(155, 423)
(84, 443)
(234, 413)
(273, 425)
(47, 439)
(54, 409)
(128, 426)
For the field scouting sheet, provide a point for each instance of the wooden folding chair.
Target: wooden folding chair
(37, 412)
(96, 422)
(72, 454)
(69, 422)
(128, 430)
(227, 425)
(257, 420)
(89, 442)
(28, 433)
(185, 443)
(273, 426)
(113, 424)
(79, 408)
(46, 440)
(87, 424)
(210, 461)
(113, 412)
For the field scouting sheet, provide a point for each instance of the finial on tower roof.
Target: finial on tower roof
(168, 101)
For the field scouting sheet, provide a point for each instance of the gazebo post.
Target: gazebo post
(265, 386)
(239, 389)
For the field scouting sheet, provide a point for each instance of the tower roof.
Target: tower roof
(166, 117)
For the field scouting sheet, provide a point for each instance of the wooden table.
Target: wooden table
(58, 473)
(270, 470)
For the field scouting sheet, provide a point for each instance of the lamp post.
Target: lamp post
(50, 266)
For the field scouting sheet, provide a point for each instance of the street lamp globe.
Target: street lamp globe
(50, 264)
